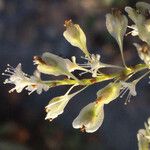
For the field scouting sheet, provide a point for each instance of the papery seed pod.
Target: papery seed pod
(75, 36)
(57, 105)
(53, 65)
(90, 118)
(116, 24)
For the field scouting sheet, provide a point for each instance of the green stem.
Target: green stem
(84, 82)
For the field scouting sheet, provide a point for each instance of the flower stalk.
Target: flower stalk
(104, 77)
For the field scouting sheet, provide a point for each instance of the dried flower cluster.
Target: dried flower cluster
(91, 116)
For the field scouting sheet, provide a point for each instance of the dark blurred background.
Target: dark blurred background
(31, 27)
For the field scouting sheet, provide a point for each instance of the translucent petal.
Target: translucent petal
(90, 117)
(75, 36)
(116, 25)
(57, 104)
(141, 22)
(54, 65)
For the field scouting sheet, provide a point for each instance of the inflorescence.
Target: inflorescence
(91, 116)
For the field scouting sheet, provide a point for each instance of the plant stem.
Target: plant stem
(83, 82)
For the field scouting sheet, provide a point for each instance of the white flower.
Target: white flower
(16, 77)
(36, 84)
(139, 17)
(131, 86)
(57, 104)
(95, 64)
(24, 81)
(90, 117)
